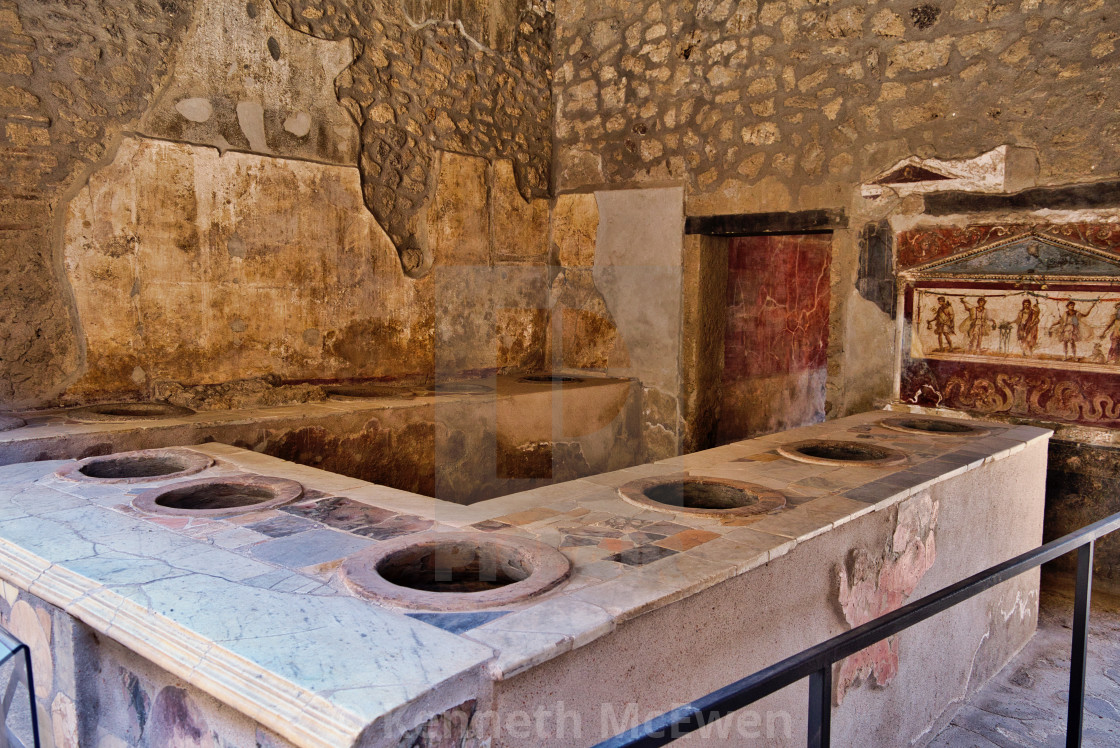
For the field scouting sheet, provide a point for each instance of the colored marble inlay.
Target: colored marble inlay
(342, 514)
(457, 623)
(490, 525)
(642, 555)
(687, 540)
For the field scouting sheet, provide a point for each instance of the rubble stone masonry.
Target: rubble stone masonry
(787, 104)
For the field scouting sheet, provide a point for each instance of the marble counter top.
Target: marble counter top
(45, 426)
(280, 646)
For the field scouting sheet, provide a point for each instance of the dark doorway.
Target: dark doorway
(776, 344)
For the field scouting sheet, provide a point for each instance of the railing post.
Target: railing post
(820, 707)
(1080, 649)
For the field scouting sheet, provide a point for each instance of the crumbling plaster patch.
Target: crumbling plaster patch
(227, 90)
(874, 584)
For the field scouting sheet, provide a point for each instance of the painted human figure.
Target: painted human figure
(1112, 329)
(943, 324)
(1068, 329)
(1027, 326)
(978, 324)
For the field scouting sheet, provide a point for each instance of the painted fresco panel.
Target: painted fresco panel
(919, 246)
(775, 346)
(1020, 320)
(777, 304)
(1069, 330)
(1083, 397)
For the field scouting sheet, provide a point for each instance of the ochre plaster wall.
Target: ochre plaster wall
(191, 194)
(193, 267)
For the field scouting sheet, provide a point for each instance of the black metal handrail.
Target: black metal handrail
(11, 647)
(816, 662)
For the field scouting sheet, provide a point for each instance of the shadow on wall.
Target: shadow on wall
(1082, 487)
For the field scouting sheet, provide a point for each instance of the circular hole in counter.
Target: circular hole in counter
(219, 497)
(839, 452)
(714, 497)
(934, 426)
(367, 391)
(8, 423)
(453, 567)
(550, 379)
(455, 571)
(137, 467)
(458, 388)
(127, 412)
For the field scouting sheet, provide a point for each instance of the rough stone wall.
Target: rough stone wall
(775, 104)
(421, 82)
(71, 76)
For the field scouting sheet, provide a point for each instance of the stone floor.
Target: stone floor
(1025, 704)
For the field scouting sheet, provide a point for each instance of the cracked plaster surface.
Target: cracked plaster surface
(127, 562)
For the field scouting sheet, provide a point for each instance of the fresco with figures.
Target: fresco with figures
(1060, 330)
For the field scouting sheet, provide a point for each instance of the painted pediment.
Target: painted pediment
(911, 174)
(1000, 170)
(1045, 257)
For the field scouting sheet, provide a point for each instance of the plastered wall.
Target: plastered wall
(203, 192)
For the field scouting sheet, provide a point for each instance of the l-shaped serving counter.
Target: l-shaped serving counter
(212, 595)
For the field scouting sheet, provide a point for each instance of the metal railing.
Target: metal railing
(10, 647)
(816, 662)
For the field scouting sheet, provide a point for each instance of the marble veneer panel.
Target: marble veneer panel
(316, 665)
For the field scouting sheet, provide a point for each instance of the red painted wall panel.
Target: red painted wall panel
(776, 343)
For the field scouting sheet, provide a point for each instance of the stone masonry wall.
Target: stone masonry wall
(777, 105)
(788, 104)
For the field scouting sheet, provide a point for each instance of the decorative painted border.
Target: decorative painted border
(921, 246)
